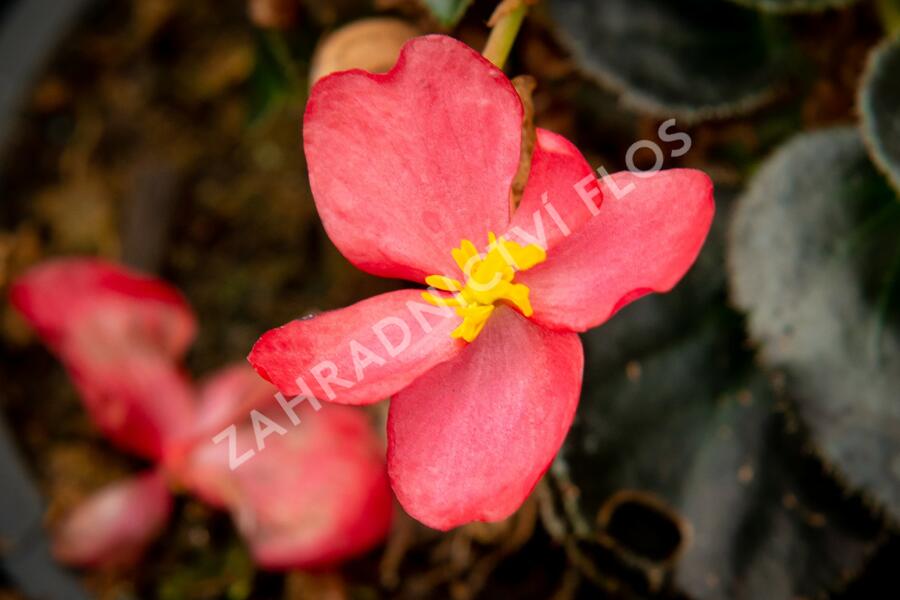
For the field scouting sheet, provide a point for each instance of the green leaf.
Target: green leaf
(694, 432)
(694, 59)
(815, 259)
(879, 101)
(795, 6)
(674, 411)
(447, 12)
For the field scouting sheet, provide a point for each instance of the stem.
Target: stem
(889, 13)
(281, 51)
(504, 34)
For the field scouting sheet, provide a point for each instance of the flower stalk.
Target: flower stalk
(889, 13)
(505, 24)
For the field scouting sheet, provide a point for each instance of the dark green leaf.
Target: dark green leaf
(879, 101)
(691, 431)
(673, 409)
(815, 259)
(693, 58)
(448, 12)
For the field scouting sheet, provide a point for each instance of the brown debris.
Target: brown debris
(369, 44)
(274, 14)
(525, 85)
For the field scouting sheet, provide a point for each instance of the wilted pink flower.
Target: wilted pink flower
(411, 175)
(317, 494)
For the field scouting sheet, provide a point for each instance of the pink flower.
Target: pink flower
(317, 493)
(409, 171)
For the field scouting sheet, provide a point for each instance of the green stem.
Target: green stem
(503, 35)
(889, 12)
(281, 51)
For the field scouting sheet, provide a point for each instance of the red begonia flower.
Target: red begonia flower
(118, 333)
(411, 174)
(313, 495)
(316, 494)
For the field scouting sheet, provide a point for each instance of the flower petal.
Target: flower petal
(119, 334)
(142, 402)
(314, 494)
(406, 164)
(644, 238)
(228, 395)
(58, 294)
(469, 440)
(551, 208)
(359, 354)
(115, 525)
(226, 398)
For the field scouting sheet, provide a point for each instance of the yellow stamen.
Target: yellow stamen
(443, 283)
(489, 280)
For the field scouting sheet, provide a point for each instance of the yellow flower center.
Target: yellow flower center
(489, 280)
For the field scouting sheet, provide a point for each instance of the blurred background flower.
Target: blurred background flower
(314, 494)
